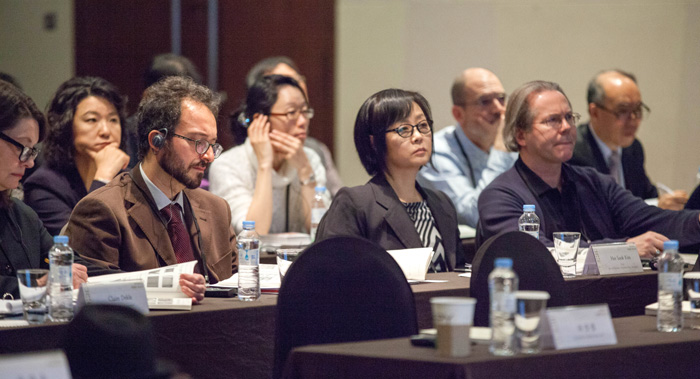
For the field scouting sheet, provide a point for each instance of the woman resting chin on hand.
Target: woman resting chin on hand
(82, 150)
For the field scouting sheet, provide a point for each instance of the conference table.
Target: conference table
(227, 338)
(641, 352)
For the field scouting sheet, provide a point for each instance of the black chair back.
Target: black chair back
(342, 289)
(532, 262)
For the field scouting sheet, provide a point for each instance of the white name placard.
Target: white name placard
(616, 258)
(128, 293)
(581, 326)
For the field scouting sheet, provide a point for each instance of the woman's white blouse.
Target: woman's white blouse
(232, 176)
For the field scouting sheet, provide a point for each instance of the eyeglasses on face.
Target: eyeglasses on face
(557, 121)
(294, 115)
(623, 115)
(201, 146)
(406, 130)
(24, 152)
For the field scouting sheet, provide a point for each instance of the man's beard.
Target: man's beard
(173, 165)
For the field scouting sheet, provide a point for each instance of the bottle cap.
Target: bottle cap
(60, 239)
(503, 263)
(529, 208)
(248, 224)
(320, 189)
(671, 244)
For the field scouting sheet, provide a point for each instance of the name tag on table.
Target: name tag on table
(127, 293)
(612, 258)
(580, 326)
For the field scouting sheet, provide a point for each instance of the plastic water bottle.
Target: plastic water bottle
(318, 209)
(503, 283)
(529, 222)
(248, 243)
(60, 280)
(669, 318)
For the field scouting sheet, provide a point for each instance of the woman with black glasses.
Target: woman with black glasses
(270, 179)
(83, 149)
(25, 242)
(394, 139)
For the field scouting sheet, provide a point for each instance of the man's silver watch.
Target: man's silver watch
(310, 179)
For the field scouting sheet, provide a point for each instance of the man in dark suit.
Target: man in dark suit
(608, 142)
(155, 215)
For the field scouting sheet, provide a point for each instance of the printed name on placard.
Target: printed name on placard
(581, 326)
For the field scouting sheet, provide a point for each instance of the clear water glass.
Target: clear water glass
(33, 284)
(530, 306)
(566, 248)
(285, 258)
(692, 294)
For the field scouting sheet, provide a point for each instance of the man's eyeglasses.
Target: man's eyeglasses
(406, 130)
(624, 114)
(557, 121)
(201, 146)
(24, 152)
(486, 101)
(294, 115)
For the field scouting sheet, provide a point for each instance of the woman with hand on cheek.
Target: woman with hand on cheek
(82, 151)
(394, 139)
(270, 179)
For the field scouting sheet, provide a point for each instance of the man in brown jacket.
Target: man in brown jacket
(155, 215)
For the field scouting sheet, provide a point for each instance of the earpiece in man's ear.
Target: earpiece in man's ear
(159, 139)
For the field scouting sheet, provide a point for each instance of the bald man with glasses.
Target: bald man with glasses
(608, 142)
(471, 154)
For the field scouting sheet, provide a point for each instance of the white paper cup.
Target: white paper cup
(453, 318)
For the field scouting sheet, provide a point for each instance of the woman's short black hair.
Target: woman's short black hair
(59, 151)
(260, 99)
(14, 106)
(375, 116)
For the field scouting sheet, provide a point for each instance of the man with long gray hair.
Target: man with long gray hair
(541, 126)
